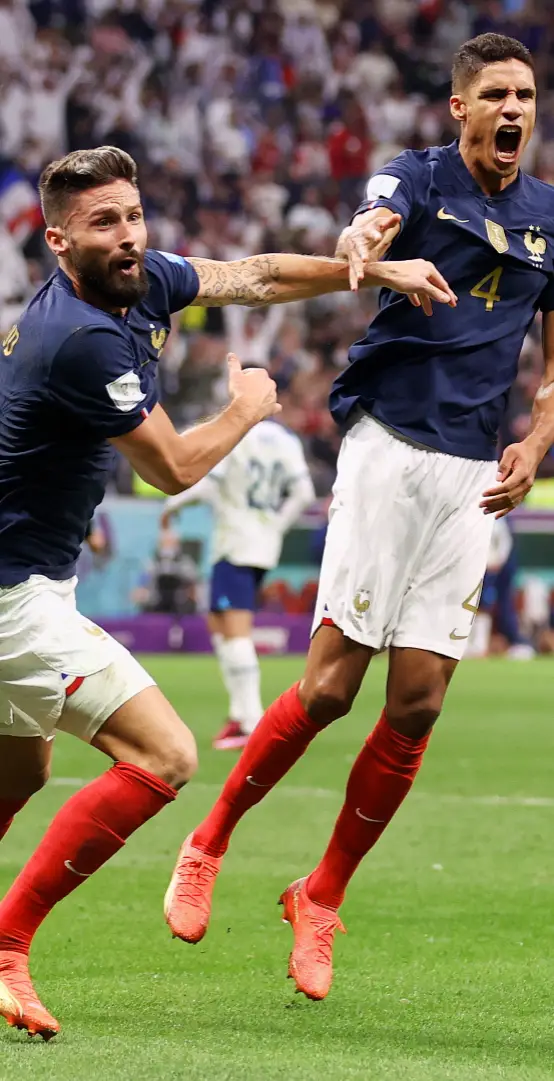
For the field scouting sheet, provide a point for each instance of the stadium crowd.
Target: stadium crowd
(255, 124)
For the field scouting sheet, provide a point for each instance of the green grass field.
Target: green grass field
(447, 973)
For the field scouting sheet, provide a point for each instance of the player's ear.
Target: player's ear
(56, 240)
(458, 107)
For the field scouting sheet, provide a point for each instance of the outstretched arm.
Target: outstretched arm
(282, 278)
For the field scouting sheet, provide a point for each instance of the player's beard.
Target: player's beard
(93, 278)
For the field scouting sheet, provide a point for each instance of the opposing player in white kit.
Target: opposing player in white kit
(257, 493)
(416, 490)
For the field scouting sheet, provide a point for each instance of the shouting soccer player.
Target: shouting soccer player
(417, 487)
(257, 494)
(78, 374)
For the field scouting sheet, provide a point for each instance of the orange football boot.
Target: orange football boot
(188, 900)
(313, 926)
(18, 999)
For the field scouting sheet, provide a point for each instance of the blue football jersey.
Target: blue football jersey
(444, 380)
(72, 377)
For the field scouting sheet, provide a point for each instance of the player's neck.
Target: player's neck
(490, 183)
(89, 296)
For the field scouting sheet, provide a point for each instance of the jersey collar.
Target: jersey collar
(462, 172)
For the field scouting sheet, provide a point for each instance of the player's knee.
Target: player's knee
(413, 711)
(325, 698)
(177, 762)
(24, 785)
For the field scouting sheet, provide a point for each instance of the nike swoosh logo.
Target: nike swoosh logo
(457, 637)
(257, 783)
(366, 819)
(70, 867)
(444, 216)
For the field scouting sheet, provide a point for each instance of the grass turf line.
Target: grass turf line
(446, 972)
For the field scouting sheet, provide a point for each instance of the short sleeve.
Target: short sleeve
(395, 186)
(94, 376)
(546, 300)
(180, 279)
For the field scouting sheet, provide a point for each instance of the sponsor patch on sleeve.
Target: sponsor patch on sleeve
(125, 392)
(381, 186)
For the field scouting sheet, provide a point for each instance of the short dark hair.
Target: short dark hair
(79, 171)
(486, 49)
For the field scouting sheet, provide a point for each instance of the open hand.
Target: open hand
(422, 281)
(516, 475)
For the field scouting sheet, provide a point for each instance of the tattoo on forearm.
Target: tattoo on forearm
(247, 281)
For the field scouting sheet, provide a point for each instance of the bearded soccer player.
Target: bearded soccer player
(78, 377)
(417, 487)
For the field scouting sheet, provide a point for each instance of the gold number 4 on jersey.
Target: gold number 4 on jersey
(490, 295)
(10, 341)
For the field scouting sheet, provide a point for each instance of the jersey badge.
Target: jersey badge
(158, 339)
(497, 236)
(361, 602)
(126, 392)
(535, 244)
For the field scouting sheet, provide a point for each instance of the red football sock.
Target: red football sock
(277, 742)
(8, 809)
(381, 778)
(90, 828)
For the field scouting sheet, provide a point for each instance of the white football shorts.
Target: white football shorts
(57, 669)
(407, 543)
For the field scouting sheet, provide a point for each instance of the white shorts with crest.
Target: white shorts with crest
(407, 543)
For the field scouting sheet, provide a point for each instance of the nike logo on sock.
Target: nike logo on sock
(70, 867)
(257, 783)
(366, 819)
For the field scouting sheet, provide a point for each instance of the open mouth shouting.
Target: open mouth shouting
(127, 265)
(507, 143)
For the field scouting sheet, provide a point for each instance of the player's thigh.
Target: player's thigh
(439, 608)
(334, 672)
(236, 623)
(416, 685)
(147, 732)
(375, 530)
(123, 713)
(24, 765)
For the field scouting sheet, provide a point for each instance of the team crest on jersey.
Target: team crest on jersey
(158, 339)
(535, 244)
(497, 236)
(362, 601)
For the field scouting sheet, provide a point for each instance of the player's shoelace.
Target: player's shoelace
(19, 984)
(323, 928)
(193, 877)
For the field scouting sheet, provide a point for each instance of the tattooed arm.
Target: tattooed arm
(281, 278)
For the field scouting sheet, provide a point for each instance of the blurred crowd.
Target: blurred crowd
(255, 124)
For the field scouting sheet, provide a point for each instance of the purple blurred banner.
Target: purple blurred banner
(273, 633)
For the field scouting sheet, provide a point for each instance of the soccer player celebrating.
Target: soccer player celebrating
(257, 493)
(417, 487)
(78, 373)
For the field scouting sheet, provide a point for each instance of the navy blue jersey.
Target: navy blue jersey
(71, 377)
(443, 381)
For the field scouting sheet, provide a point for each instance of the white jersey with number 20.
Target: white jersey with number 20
(257, 493)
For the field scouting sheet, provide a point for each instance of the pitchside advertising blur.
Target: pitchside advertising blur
(150, 587)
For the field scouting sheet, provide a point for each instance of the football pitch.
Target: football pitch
(446, 974)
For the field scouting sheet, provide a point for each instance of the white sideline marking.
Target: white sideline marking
(332, 793)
